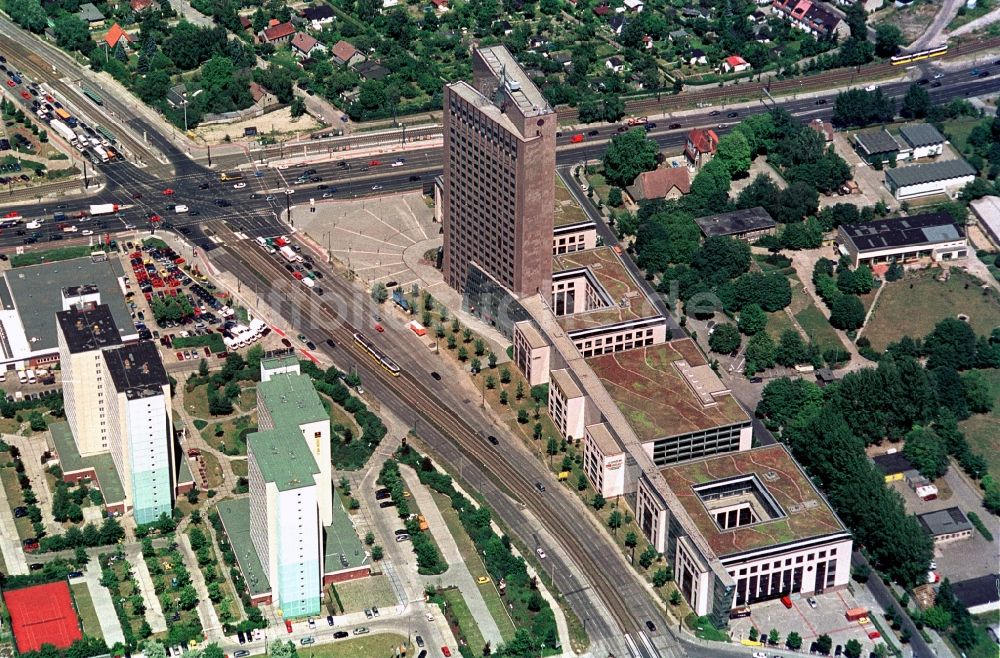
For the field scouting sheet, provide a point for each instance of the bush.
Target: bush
(980, 526)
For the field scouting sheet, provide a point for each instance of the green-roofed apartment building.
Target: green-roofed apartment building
(283, 550)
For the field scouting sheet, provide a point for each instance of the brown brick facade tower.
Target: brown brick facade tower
(499, 177)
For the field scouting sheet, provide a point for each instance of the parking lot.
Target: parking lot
(828, 617)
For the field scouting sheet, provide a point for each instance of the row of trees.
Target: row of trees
(429, 559)
(840, 294)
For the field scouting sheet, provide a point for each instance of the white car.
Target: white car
(396, 164)
(376, 187)
(541, 553)
(239, 186)
(129, 227)
(759, 654)
(812, 602)
(87, 232)
(289, 191)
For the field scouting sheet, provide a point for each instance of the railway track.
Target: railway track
(446, 421)
(828, 78)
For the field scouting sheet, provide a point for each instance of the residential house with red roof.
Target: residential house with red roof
(278, 33)
(117, 35)
(345, 54)
(810, 17)
(304, 45)
(700, 146)
(139, 6)
(735, 64)
(661, 183)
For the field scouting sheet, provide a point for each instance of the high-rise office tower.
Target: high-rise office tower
(499, 177)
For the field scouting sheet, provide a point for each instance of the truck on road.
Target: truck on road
(289, 254)
(63, 114)
(64, 131)
(103, 209)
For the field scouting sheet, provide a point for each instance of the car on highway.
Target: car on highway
(289, 192)
(733, 115)
(922, 81)
(594, 132)
(87, 232)
(376, 187)
(541, 552)
(674, 126)
(396, 164)
(414, 178)
(713, 113)
(974, 72)
(340, 635)
(651, 626)
(493, 440)
(326, 195)
(168, 192)
(330, 342)
(306, 641)
(938, 76)
(375, 163)
(540, 487)
(379, 328)
(436, 376)
(820, 101)
(936, 84)
(204, 186)
(984, 74)
(576, 139)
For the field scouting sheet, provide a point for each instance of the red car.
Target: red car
(374, 163)
(168, 191)
(379, 328)
(49, 98)
(25, 95)
(446, 651)
(576, 139)
(11, 83)
(288, 626)
(297, 275)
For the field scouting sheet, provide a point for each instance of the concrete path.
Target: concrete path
(458, 573)
(980, 22)
(111, 627)
(154, 613)
(931, 35)
(206, 611)
(10, 543)
(31, 454)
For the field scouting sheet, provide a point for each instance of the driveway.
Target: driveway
(458, 572)
(111, 627)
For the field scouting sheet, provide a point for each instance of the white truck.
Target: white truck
(181, 209)
(289, 254)
(64, 131)
(103, 209)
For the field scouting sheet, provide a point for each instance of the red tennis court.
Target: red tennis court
(43, 614)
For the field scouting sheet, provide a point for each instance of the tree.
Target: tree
(793, 641)
(725, 338)
(615, 520)
(29, 14)
(916, 102)
(752, 320)
(773, 637)
(952, 343)
(154, 649)
(977, 392)
(852, 648)
(598, 502)
(927, 452)
(824, 643)
(791, 350)
(733, 150)
(847, 312)
(73, 34)
(628, 155)
(760, 353)
(287, 649)
(615, 197)
(888, 39)
(937, 618)
(722, 258)
(857, 107)
(377, 553)
(379, 293)
(661, 577)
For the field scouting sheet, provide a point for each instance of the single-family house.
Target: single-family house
(735, 64)
(91, 15)
(563, 58)
(616, 64)
(345, 54)
(440, 6)
(389, 4)
(246, 24)
(634, 5)
(319, 16)
(304, 45)
(372, 70)
(696, 56)
(677, 35)
(616, 23)
(262, 98)
(602, 10)
(505, 27)
(809, 16)
(700, 146)
(661, 183)
(923, 139)
(277, 33)
(139, 6)
(117, 35)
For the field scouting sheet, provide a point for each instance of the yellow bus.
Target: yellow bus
(230, 176)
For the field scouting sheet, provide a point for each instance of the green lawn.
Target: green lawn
(51, 255)
(239, 467)
(14, 499)
(225, 434)
(476, 567)
(356, 595)
(957, 130)
(458, 611)
(985, 647)
(777, 323)
(85, 608)
(913, 305)
(213, 340)
(982, 430)
(383, 645)
(815, 324)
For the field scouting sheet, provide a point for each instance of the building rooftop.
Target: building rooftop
(283, 457)
(103, 465)
(568, 211)
(318, 13)
(605, 441)
(978, 591)
(517, 84)
(36, 293)
(929, 228)
(987, 209)
(921, 134)
(787, 506)
(137, 370)
(876, 141)
(564, 379)
(930, 172)
(291, 400)
(342, 546)
(235, 515)
(88, 329)
(623, 297)
(736, 222)
(892, 463)
(90, 13)
(667, 389)
(657, 184)
(944, 521)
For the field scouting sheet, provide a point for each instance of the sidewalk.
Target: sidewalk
(154, 613)
(111, 627)
(10, 544)
(458, 572)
